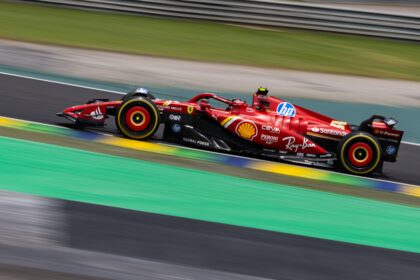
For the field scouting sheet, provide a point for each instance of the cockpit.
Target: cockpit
(213, 101)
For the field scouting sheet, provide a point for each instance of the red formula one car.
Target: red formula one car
(269, 127)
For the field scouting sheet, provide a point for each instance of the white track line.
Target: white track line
(410, 143)
(61, 83)
(111, 91)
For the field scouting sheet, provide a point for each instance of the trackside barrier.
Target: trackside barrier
(266, 13)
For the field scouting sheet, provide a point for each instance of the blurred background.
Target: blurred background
(77, 205)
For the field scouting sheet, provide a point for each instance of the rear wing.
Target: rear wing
(389, 137)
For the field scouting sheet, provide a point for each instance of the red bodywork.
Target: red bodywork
(269, 122)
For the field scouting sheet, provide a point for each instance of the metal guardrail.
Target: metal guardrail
(367, 2)
(266, 13)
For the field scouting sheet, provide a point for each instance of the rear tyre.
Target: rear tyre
(137, 118)
(359, 153)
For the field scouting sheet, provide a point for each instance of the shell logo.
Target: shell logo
(247, 130)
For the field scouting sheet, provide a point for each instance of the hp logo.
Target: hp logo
(286, 109)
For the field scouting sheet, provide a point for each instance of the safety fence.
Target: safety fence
(266, 13)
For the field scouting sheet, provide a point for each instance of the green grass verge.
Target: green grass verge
(203, 41)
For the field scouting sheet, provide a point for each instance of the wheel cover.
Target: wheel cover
(137, 118)
(360, 154)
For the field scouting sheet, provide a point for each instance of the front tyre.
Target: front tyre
(137, 118)
(359, 153)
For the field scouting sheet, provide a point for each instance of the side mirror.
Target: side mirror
(390, 122)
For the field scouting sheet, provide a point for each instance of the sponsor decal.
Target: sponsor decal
(247, 130)
(176, 118)
(269, 139)
(291, 144)
(315, 129)
(190, 109)
(167, 105)
(389, 134)
(325, 156)
(97, 114)
(310, 155)
(176, 128)
(387, 140)
(339, 124)
(249, 109)
(270, 128)
(175, 108)
(390, 149)
(329, 131)
(196, 142)
(286, 109)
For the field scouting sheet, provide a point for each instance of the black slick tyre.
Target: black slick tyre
(134, 94)
(359, 153)
(137, 118)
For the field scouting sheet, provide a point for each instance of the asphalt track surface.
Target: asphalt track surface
(202, 244)
(125, 244)
(38, 101)
(229, 248)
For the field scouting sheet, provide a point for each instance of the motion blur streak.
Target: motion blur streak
(30, 219)
(84, 203)
(290, 170)
(38, 242)
(138, 145)
(266, 166)
(98, 242)
(411, 190)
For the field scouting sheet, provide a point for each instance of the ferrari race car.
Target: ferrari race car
(269, 127)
